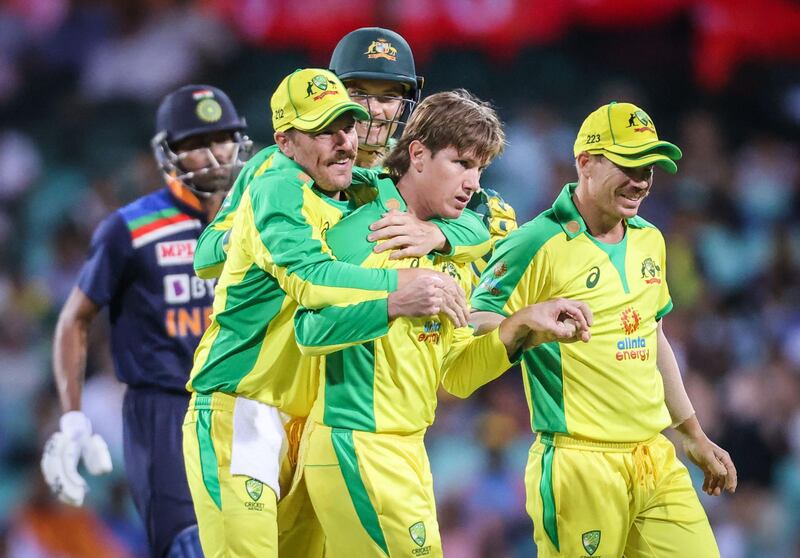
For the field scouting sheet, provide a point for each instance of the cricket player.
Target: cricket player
(365, 463)
(248, 373)
(140, 266)
(601, 478)
(377, 67)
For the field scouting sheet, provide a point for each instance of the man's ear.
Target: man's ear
(582, 163)
(284, 142)
(417, 155)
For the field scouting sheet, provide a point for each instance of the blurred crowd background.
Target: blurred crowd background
(79, 82)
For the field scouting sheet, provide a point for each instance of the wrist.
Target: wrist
(75, 425)
(690, 427)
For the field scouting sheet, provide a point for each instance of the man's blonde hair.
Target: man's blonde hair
(450, 119)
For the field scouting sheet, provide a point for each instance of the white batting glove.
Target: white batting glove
(63, 451)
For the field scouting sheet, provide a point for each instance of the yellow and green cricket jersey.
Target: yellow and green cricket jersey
(610, 388)
(378, 381)
(277, 258)
(467, 242)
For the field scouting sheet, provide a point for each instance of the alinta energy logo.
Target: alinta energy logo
(631, 348)
(430, 332)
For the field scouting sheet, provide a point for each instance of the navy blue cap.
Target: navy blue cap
(196, 109)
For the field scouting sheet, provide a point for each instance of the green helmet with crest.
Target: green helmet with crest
(374, 53)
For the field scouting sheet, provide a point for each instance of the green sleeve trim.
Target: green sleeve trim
(335, 327)
(209, 255)
(208, 456)
(664, 311)
(348, 463)
(549, 517)
(468, 237)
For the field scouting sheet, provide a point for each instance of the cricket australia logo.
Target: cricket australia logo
(254, 489)
(651, 271)
(641, 122)
(381, 49)
(591, 540)
(418, 535)
(319, 87)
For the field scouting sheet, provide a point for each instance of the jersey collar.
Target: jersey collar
(388, 195)
(186, 200)
(570, 218)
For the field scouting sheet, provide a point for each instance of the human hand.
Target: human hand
(562, 320)
(409, 236)
(73, 442)
(719, 472)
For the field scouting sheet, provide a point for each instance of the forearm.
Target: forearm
(69, 360)
(474, 362)
(320, 332)
(675, 396)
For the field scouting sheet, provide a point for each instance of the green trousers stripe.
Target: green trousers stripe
(345, 449)
(208, 456)
(548, 498)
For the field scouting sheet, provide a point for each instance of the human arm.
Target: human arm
(74, 440)
(211, 249)
(719, 472)
(462, 240)
(498, 216)
(334, 328)
(499, 342)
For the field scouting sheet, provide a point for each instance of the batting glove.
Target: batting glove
(64, 449)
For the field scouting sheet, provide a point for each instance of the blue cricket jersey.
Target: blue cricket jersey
(140, 266)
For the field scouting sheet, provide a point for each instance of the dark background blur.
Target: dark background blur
(79, 83)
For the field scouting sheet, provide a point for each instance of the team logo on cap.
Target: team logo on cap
(209, 110)
(381, 49)
(319, 86)
(640, 122)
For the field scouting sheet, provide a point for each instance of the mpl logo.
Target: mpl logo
(175, 252)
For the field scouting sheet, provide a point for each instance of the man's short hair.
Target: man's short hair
(450, 119)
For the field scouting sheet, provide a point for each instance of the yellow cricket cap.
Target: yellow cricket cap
(626, 135)
(309, 100)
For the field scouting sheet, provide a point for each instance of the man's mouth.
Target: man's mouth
(634, 195)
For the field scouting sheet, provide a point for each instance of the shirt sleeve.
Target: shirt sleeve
(103, 272)
(320, 332)
(473, 362)
(211, 250)
(516, 276)
(468, 236)
(664, 298)
(289, 245)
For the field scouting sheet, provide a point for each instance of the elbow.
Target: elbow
(460, 391)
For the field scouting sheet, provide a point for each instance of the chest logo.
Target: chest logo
(651, 272)
(431, 332)
(630, 320)
(450, 269)
(590, 541)
(593, 277)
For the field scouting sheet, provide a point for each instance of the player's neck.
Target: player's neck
(410, 188)
(604, 227)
